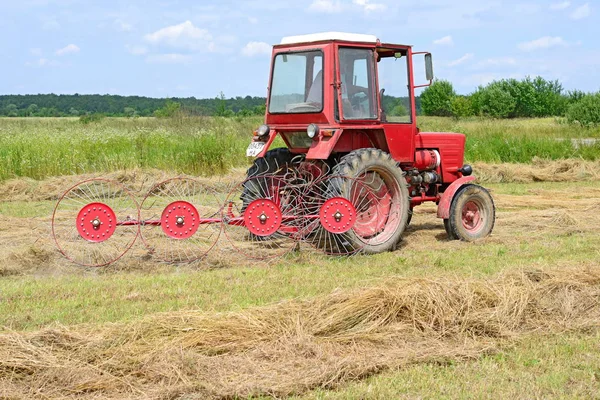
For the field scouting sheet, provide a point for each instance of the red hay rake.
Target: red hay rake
(181, 220)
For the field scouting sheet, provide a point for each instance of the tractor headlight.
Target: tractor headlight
(312, 131)
(263, 130)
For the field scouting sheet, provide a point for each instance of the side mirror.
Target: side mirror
(428, 67)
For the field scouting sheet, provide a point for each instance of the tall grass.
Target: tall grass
(38, 148)
(518, 140)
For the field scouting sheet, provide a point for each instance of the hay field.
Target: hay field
(514, 315)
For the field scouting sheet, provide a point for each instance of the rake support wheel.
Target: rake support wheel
(94, 222)
(260, 218)
(180, 220)
(350, 214)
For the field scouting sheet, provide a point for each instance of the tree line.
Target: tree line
(52, 105)
(506, 98)
(512, 98)
(91, 106)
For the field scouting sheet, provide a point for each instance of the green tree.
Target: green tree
(11, 110)
(222, 109)
(169, 110)
(435, 100)
(129, 112)
(32, 110)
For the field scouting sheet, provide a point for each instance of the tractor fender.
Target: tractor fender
(446, 200)
(321, 149)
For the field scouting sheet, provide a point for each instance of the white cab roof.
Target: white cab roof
(317, 37)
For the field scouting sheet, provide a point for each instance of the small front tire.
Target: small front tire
(472, 214)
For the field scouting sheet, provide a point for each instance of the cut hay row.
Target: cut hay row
(141, 180)
(568, 170)
(294, 346)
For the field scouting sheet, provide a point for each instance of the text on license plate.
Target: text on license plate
(254, 149)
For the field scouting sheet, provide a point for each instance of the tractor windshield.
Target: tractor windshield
(297, 83)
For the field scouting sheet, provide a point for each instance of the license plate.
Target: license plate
(254, 149)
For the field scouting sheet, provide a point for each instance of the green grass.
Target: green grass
(41, 147)
(566, 366)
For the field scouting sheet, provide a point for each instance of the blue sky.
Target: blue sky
(199, 48)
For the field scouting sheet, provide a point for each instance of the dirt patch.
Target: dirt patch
(295, 346)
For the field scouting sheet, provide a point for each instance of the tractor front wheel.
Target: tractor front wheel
(381, 221)
(472, 214)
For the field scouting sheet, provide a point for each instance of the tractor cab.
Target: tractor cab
(324, 86)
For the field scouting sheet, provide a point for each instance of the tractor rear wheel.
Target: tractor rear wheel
(472, 214)
(384, 218)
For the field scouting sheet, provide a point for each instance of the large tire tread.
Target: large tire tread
(357, 162)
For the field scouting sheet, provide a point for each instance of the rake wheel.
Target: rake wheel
(260, 217)
(180, 220)
(94, 222)
(349, 212)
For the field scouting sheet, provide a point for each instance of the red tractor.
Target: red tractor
(325, 101)
(347, 181)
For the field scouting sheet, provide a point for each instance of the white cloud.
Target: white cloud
(256, 48)
(171, 58)
(581, 12)
(69, 49)
(560, 6)
(445, 41)
(183, 36)
(461, 60)
(137, 50)
(545, 42)
(253, 20)
(122, 26)
(368, 6)
(326, 6)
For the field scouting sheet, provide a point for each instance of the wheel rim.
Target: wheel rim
(379, 216)
(473, 216)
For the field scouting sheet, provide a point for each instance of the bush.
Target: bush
(436, 99)
(496, 102)
(585, 112)
(461, 107)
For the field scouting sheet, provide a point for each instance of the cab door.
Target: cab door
(397, 105)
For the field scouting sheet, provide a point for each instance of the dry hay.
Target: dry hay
(539, 170)
(139, 181)
(294, 346)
